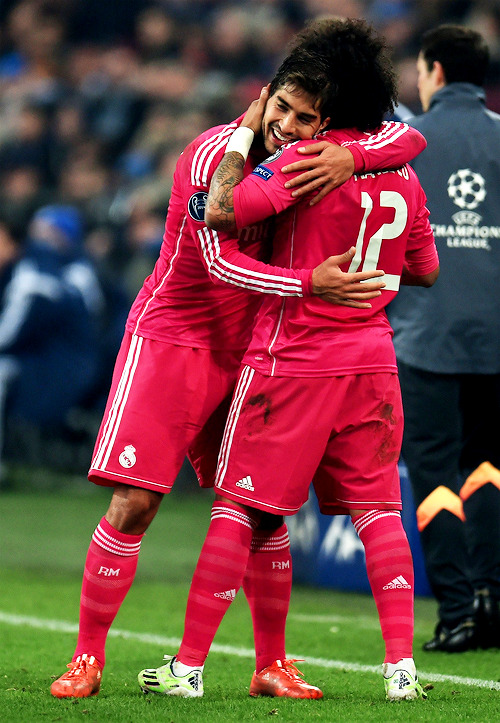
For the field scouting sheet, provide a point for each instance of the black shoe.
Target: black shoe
(455, 640)
(487, 617)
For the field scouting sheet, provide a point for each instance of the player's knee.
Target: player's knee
(132, 509)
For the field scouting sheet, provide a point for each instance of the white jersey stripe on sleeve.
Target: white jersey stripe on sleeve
(390, 132)
(208, 162)
(209, 243)
(239, 276)
(386, 129)
(225, 274)
(282, 286)
(200, 165)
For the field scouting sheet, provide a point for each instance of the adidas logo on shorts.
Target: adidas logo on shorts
(398, 583)
(246, 483)
(226, 595)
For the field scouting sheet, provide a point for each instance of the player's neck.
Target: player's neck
(258, 150)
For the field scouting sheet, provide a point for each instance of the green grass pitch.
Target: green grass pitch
(44, 533)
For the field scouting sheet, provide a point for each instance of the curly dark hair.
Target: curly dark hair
(345, 65)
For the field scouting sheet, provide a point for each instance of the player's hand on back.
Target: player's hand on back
(326, 171)
(332, 284)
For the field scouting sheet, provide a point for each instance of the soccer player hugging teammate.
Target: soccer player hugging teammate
(175, 373)
(303, 352)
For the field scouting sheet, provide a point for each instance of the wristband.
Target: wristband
(240, 141)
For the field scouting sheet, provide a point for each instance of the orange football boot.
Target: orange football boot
(82, 679)
(282, 679)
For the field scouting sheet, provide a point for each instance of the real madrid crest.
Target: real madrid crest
(127, 458)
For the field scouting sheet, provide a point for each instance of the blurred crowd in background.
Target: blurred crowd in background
(97, 100)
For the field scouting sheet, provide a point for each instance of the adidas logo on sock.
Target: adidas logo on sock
(398, 583)
(226, 595)
(246, 483)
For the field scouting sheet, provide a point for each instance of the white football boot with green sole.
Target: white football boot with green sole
(401, 682)
(164, 681)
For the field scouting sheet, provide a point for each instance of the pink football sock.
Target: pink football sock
(389, 566)
(109, 572)
(216, 580)
(267, 585)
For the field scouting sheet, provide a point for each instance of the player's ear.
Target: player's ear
(439, 74)
(323, 125)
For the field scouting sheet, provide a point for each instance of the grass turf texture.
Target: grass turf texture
(43, 541)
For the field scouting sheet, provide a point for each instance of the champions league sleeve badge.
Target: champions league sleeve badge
(196, 206)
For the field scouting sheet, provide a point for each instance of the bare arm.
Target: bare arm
(219, 209)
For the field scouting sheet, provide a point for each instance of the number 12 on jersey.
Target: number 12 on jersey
(388, 199)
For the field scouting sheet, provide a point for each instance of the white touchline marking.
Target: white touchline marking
(60, 626)
(361, 621)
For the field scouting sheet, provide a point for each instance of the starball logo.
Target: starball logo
(467, 189)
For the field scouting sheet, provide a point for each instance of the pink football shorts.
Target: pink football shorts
(165, 402)
(343, 433)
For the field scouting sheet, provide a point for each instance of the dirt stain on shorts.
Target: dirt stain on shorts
(386, 452)
(262, 402)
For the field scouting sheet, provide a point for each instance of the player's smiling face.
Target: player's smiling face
(291, 114)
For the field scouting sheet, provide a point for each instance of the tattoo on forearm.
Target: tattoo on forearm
(220, 195)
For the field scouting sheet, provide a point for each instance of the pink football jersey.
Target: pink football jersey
(198, 293)
(383, 215)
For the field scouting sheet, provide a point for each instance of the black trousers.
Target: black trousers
(452, 425)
